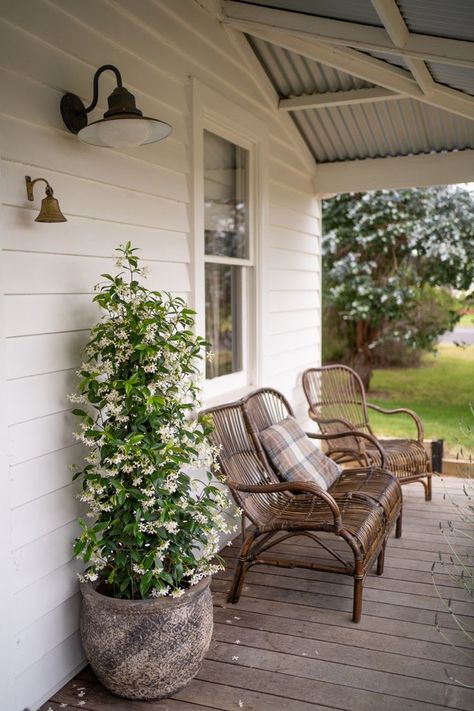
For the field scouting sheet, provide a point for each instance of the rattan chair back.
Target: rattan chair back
(336, 399)
(280, 510)
(242, 460)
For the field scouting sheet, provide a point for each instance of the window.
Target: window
(227, 258)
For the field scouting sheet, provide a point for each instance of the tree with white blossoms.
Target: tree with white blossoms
(384, 252)
(153, 529)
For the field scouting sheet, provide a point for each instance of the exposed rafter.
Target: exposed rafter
(361, 65)
(328, 99)
(394, 172)
(351, 34)
(399, 33)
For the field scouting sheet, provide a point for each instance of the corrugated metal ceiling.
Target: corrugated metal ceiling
(461, 78)
(350, 10)
(443, 18)
(402, 127)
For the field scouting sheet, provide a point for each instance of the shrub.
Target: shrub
(153, 530)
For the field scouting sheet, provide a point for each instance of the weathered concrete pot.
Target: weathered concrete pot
(146, 649)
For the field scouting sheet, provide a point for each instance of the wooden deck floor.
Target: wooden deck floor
(290, 645)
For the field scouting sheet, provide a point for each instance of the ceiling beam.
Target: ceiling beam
(392, 20)
(329, 99)
(351, 34)
(388, 12)
(394, 173)
(421, 75)
(369, 68)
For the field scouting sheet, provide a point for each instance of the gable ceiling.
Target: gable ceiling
(376, 78)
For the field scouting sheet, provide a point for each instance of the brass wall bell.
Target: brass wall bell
(50, 210)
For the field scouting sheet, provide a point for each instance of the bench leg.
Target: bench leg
(398, 528)
(428, 490)
(381, 560)
(358, 590)
(237, 581)
(242, 565)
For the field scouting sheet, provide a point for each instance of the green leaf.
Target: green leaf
(145, 583)
(167, 577)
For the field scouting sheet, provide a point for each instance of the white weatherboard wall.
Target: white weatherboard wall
(48, 47)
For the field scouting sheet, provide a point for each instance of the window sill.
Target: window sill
(229, 396)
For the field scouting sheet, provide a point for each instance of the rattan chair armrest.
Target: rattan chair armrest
(405, 411)
(352, 433)
(332, 421)
(293, 487)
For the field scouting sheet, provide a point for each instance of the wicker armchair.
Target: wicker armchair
(280, 510)
(338, 405)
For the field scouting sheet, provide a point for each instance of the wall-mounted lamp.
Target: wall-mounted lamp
(50, 210)
(123, 125)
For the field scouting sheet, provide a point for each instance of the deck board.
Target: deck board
(290, 645)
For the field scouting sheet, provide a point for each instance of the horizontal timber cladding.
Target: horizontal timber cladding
(49, 271)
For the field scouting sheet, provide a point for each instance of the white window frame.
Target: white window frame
(214, 113)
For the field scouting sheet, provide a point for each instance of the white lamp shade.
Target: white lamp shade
(127, 132)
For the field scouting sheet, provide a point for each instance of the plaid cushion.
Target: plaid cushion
(296, 457)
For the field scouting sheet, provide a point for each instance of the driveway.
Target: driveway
(459, 335)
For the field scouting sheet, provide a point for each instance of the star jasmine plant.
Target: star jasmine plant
(152, 526)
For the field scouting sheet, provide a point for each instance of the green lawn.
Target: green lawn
(467, 320)
(440, 391)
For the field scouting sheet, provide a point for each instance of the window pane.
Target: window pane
(225, 197)
(223, 319)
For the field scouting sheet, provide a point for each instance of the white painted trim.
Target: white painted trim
(213, 112)
(421, 75)
(393, 173)
(329, 99)
(366, 67)
(393, 22)
(6, 566)
(352, 34)
(271, 98)
(224, 384)
(233, 261)
(398, 32)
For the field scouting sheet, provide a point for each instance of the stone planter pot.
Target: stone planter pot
(146, 649)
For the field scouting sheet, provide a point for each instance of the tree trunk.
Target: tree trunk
(363, 369)
(361, 359)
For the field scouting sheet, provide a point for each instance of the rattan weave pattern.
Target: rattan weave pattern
(279, 510)
(266, 406)
(337, 403)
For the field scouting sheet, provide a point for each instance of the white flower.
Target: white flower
(171, 483)
(162, 548)
(171, 526)
(74, 397)
(177, 593)
(160, 592)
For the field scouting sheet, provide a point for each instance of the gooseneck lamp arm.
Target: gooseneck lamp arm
(122, 126)
(74, 112)
(101, 70)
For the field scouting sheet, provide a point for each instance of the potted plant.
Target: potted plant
(151, 534)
